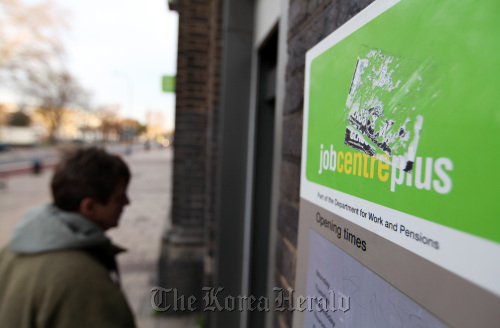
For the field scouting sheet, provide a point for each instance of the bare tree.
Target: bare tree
(30, 36)
(54, 91)
(32, 58)
(110, 120)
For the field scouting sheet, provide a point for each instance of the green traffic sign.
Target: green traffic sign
(168, 83)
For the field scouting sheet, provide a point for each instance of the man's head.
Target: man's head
(93, 183)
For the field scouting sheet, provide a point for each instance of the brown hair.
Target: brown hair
(86, 172)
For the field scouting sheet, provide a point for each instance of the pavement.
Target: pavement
(141, 227)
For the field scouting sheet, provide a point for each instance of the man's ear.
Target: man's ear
(87, 206)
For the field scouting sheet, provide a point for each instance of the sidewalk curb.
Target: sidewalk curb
(23, 169)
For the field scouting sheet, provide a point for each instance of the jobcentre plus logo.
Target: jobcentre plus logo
(427, 173)
(384, 121)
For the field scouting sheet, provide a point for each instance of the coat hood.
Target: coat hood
(48, 228)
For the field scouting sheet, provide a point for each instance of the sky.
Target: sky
(120, 49)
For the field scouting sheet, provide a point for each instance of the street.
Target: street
(20, 159)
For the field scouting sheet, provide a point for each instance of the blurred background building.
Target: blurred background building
(30, 126)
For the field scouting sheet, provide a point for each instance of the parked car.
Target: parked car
(4, 147)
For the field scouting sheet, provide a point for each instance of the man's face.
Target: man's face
(107, 215)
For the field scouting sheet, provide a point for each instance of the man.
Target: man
(59, 269)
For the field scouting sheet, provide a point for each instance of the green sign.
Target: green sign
(399, 174)
(407, 117)
(168, 83)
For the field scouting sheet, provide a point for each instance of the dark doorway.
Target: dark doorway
(263, 160)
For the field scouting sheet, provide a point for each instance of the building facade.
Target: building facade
(238, 143)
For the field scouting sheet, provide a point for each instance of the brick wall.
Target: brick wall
(196, 110)
(309, 22)
(212, 120)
